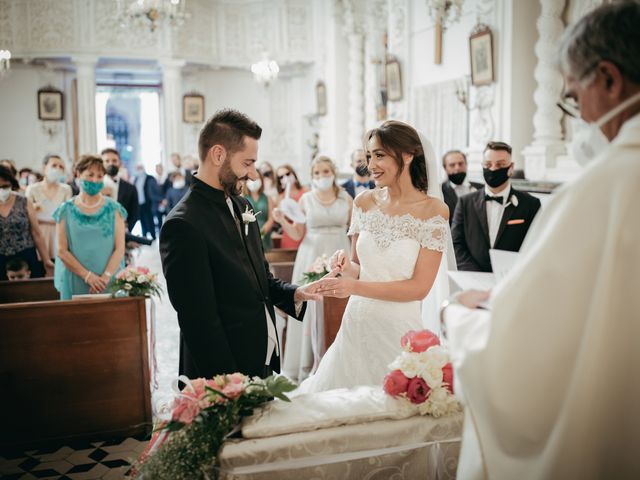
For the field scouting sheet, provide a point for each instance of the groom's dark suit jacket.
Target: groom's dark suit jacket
(219, 283)
(470, 230)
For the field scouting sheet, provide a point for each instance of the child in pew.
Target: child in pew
(17, 269)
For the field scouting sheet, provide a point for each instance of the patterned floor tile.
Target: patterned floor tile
(116, 473)
(11, 466)
(59, 453)
(81, 457)
(59, 466)
(127, 445)
(98, 471)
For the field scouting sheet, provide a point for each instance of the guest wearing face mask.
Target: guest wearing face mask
(123, 191)
(269, 181)
(19, 231)
(147, 189)
(254, 192)
(287, 176)
(454, 163)
(497, 216)
(327, 209)
(361, 180)
(25, 178)
(47, 196)
(177, 190)
(90, 233)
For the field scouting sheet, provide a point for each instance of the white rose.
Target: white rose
(130, 277)
(127, 286)
(407, 362)
(440, 402)
(142, 279)
(437, 355)
(431, 373)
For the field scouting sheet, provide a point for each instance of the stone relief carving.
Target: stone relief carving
(50, 24)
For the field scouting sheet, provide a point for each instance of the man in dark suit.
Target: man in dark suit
(497, 216)
(148, 199)
(217, 277)
(454, 163)
(361, 180)
(125, 193)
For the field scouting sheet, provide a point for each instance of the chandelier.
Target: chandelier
(152, 13)
(265, 71)
(445, 11)
(5, 62)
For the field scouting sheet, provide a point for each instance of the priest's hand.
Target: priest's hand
(472, 298)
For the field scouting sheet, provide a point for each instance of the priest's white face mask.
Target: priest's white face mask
(588, 139)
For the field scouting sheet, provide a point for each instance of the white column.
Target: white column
(547, 144)
(172, 106)
(399, 27)
(373, 60)
(354, 29)
(86, 89)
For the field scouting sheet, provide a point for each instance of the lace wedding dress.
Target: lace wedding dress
(369, 337)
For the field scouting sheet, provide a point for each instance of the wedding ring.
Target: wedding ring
(334, 292)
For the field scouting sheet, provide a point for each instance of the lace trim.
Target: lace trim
(386, 229)
(103, 217)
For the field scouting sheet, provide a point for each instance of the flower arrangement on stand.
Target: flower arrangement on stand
(423, 375)
(136, 282)
(318, 269)
(203, 415)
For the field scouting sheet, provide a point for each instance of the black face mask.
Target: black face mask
(112, 170)
(495, 178)
(362, 170)
(457, 178)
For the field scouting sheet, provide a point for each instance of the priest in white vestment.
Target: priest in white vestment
(550, 376)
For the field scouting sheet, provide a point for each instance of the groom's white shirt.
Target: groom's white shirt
(550, 375)
(272, 335)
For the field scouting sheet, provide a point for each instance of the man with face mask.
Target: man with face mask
(217, 277)
(497, 216)
(457, 184)
(361, 180)
(121, 190)
(549, 374)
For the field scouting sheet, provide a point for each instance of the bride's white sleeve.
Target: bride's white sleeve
(434, 234)
(356, 221)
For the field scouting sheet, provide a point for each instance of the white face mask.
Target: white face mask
(323, 183)
(54, 175)
(178, 184)
(5, 193)
(254, 185)
(588, 139)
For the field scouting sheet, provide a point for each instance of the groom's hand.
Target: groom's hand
(307, 292)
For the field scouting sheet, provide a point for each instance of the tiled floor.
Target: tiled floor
(108, 459)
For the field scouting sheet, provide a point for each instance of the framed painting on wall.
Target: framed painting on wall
(321, 99)
(193, 108)
(481, 54)
(50, 104)
(394, 80)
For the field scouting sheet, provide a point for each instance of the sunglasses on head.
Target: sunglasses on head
(268, 173)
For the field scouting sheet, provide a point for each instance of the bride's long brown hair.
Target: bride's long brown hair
(397, 138)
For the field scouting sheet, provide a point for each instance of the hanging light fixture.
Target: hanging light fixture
(266, 70)
(445, 11)
(5, 62)
(152, 14)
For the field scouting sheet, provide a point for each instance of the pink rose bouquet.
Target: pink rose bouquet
(422, 375)
(136, 282)
(318, 269)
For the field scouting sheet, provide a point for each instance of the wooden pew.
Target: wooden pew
(32, 290)
(281, 255)
(283, 271)
(73, 370)
(333, 311)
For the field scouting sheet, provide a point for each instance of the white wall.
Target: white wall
(22, 137)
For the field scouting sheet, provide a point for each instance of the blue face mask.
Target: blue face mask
(91, 188)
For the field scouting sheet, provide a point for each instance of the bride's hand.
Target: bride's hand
(340, 261)
(339, 287)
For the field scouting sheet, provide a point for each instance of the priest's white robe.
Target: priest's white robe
(551, 375)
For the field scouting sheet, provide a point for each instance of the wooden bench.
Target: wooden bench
(282, 270)
(281, 255)
(73, 370)
(33, 290)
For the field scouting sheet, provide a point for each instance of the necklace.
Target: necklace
(85, 205)
(324, 203)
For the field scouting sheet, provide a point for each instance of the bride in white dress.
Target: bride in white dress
(400, 232)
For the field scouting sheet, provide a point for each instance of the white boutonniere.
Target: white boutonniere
(514, 200)
(248, 217)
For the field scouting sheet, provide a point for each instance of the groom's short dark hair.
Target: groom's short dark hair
(227, 128)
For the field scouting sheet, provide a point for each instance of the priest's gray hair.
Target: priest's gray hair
(610, 32)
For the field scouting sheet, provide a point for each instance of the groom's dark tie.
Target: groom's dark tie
(488, 198)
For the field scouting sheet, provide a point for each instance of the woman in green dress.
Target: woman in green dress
(90, 235)
(254, 192)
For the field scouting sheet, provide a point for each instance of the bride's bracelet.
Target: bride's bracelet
(86, 277)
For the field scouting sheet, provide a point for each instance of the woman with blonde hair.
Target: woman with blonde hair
(327, 208)
(288, 186)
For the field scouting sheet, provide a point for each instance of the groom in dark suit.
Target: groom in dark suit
(497, 216)
(217, 277)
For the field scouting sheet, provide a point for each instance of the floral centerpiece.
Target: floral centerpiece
(136, 282)
(318, 269)
(423, 375)
(203, 415)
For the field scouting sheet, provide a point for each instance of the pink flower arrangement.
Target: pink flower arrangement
(318, 269)
(136, 281)
(422, 375)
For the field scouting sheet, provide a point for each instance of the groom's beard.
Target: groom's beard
(229, 180)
